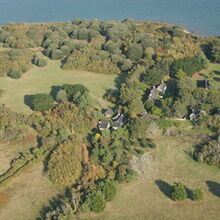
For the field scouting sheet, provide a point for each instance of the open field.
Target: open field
(24, 197)
(10, 150)
(40, 80)
(148, 198)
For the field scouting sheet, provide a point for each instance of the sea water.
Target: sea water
(198, 16)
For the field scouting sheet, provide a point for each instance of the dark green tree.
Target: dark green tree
(178, 192)
(42, 102)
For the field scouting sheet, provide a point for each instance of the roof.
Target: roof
(103, 125)
(116, 116)
(206, 84)
(119, 122)
(162, 87)
(153, 94)
(108, 112)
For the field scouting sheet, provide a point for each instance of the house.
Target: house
(108, 112)
(153, 94)
(116, 115)
(104, 125)
(162, 87)
(194, 115)
(119, 123)
(206, 84)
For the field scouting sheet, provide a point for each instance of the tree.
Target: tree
(61, 96)
(15, 74)
(42, 102)
(39, 61)
(197, 194)
(135, 52)
(95, 201)
(109, 189)
(56, 54)
(178, 192)
(190, 65)
(179, 109)
(152, 77)
(77, 94)
(64, 165)
(126, 65)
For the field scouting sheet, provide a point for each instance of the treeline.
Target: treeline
(108, 47)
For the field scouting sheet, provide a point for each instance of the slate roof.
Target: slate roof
(162, 87)
(153, 94)
(119, 123)
(103, 125)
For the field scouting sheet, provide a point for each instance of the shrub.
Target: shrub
(95, 201)
(197, 194)
(109, 189)
(15, 74)
(56, 54)
(64, 165)
(41, 62)
(178, 192)
(61, 96)
(42, 102)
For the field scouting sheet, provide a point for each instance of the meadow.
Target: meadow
(41, 80)
(148, 198)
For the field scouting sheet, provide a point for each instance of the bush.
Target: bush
(197, 194)
(109, 189)
(61, 96)
(95, 201)
(15, 74)
(40, 61)
(56, 54)
(178, 192)
(64, 165)
(42, 102)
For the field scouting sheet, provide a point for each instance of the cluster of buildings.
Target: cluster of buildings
(118, 120)
(156, 91)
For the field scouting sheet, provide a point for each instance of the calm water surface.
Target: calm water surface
(199, 16)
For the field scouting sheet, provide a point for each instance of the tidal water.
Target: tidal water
(198, 16)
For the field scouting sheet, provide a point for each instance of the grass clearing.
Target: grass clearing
(148, 199)
(40, 80)
(10, 150)
(24, 197)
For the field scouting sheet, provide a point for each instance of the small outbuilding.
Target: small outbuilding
(108, 112)
(104, 124)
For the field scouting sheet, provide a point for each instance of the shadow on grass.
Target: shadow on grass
(27, 100)
(164, 187)
(214, 187)
(216, 72)
(216, 79)
(54, 90)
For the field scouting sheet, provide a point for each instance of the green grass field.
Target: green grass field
(148, 198)
(40, 80)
